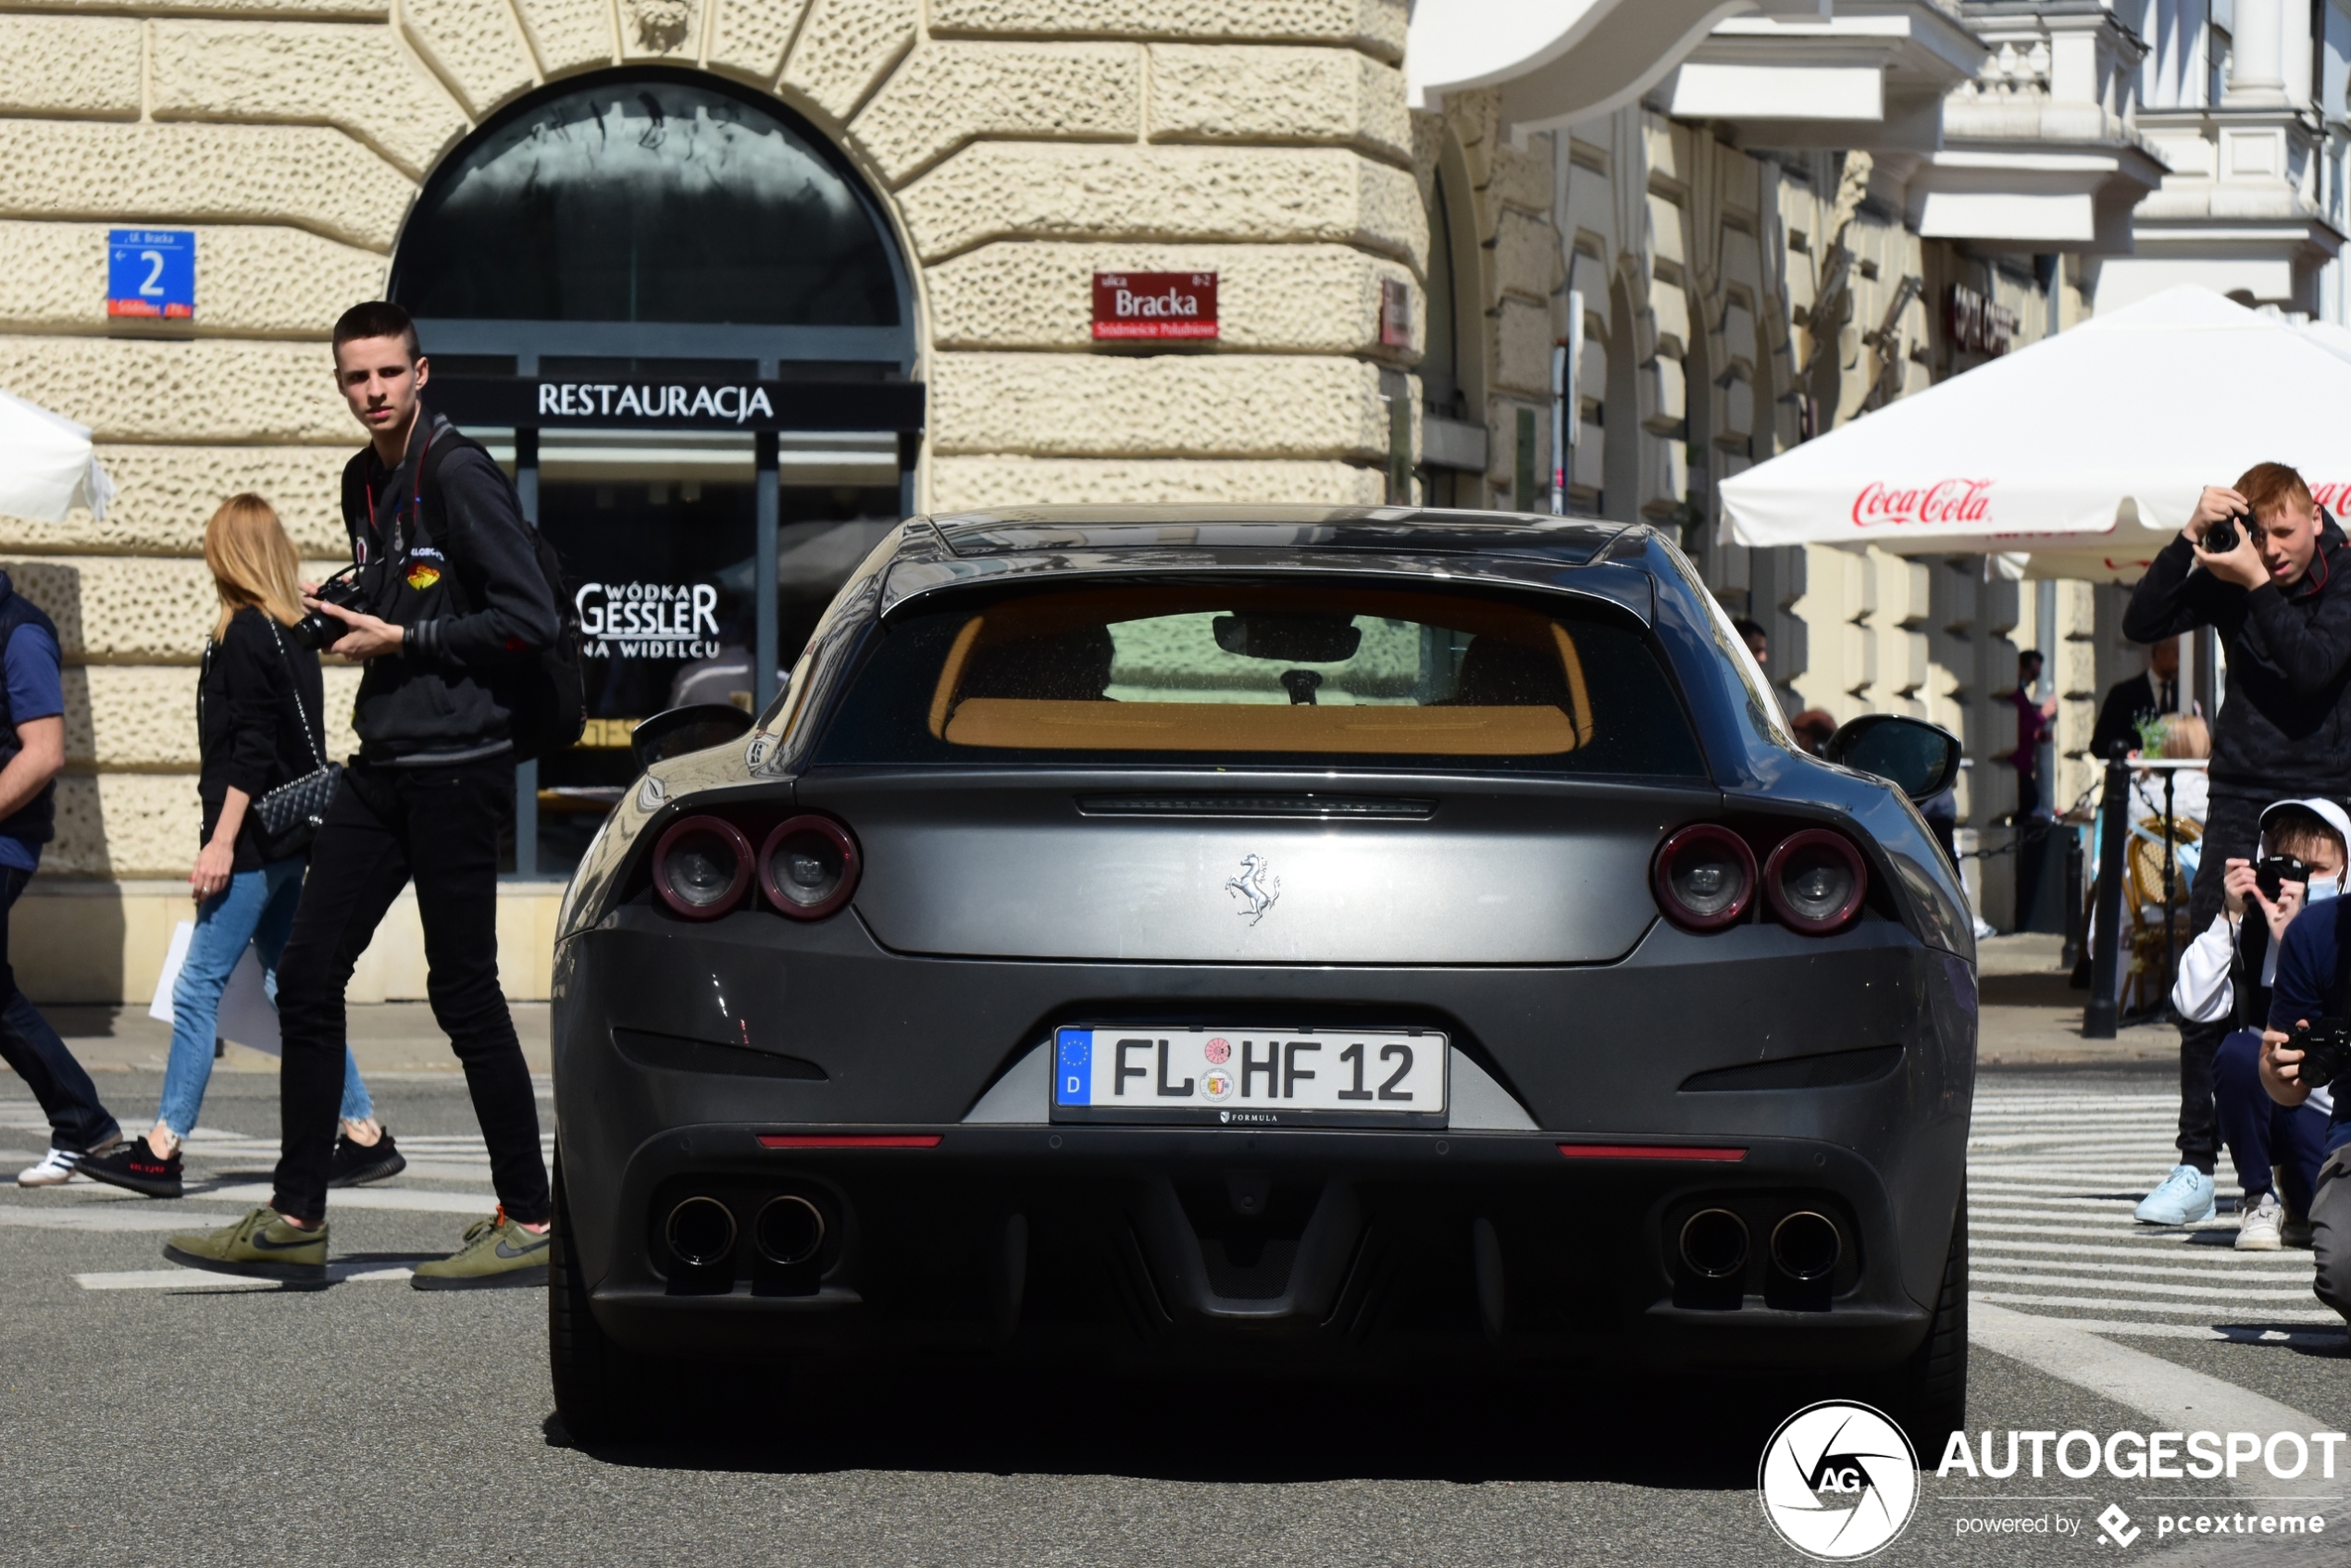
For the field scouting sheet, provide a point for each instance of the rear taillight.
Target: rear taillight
(1705, 876)
(808, 867)
(701, 868)
(1815, 880)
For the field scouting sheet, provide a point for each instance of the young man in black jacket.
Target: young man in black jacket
(2280, 602)
(454, 607)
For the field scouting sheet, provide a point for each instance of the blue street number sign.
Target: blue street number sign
(151, 272)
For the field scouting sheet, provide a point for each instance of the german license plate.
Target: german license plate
(1250, 1078)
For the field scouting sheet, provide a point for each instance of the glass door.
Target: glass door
(658, 535)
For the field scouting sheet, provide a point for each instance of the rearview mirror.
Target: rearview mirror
(694, 728)
(1918, 758)
(1292, 638)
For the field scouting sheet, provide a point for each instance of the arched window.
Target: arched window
(658, 228)
(650, 197)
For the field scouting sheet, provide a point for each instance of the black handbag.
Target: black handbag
(287, 818)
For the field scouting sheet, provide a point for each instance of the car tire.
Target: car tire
(1930, 1396)
(599, 1387)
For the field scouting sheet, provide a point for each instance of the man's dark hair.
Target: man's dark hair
(378, 318)
(2030, 657)
(1747, 627)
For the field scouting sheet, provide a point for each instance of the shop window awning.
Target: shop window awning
(2080, 456)
(47, 465)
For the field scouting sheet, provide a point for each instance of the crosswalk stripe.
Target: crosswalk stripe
(197, 1279)
(2126, 1304)
(2226, 1290)
(2053, 1182)
(2234, 1260)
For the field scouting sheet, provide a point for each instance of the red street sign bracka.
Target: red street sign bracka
(1155, 304)
(1945, 501)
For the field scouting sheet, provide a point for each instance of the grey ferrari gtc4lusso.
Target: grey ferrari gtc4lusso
(1372, 940)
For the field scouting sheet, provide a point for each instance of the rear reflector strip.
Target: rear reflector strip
(849, 1141)
(1647, 1151)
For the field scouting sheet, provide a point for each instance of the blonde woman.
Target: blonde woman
(258, 721)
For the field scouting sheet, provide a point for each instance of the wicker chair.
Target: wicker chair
(2146, 984)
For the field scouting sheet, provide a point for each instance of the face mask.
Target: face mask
(2322, 889)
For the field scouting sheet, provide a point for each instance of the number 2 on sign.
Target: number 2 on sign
(153, 287)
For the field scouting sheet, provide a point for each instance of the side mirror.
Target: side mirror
(1918, 758)
(694, 728)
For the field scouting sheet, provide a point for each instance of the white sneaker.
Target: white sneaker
(55, 1169)
(2257, 1230)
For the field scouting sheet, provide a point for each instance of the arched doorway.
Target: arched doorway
(671, 305)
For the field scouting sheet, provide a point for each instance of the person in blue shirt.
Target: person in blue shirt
(2307, 969)
(32, 751)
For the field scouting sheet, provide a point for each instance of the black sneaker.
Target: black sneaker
(136, 1166)
(356, 1164)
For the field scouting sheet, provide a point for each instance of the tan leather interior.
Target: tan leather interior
(1260, 727)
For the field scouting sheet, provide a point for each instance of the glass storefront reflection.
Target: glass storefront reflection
(662, 573)
(647, 200)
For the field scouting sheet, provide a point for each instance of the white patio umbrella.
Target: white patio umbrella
(2086, 449)
(47, 465)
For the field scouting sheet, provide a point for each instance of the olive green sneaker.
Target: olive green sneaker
(498, 1255)
(260, 1245)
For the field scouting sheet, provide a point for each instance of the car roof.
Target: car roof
(1357, 530)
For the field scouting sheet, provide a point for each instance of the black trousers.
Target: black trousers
(2232, 831)
(76, 1121)
(386, 827)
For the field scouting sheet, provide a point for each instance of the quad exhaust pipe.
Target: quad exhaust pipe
(1714, 1244)
(790, 1230)
(700, 1232)
(1806, 1246)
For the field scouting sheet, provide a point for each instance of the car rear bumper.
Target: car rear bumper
(1217, 1248)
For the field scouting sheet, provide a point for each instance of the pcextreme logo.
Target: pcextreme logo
(1838, 1481)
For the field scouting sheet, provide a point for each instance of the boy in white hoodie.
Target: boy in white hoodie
(2226, 975)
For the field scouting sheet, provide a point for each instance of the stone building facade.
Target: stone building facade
(1398, 286)
(1014, 147)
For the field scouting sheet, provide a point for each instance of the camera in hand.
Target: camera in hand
(2326, 1048)
(2223, 536)
(318, 630)
(2273, 871)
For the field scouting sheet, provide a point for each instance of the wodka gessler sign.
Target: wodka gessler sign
(676, 403)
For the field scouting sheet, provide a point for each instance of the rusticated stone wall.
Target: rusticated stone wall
(1018, 144)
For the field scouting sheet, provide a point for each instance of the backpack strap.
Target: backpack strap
(2252, 948)
(2333, 1003)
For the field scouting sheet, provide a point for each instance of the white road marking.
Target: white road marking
(2053, 1180)
(2172, 1395)
(2301, 1340)
(371, 1198)
(201, 1279)
(81, 1218)
(2124, 1304)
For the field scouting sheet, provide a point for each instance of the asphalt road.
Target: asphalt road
(369, 1424)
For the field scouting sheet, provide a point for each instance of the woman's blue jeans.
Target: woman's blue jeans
(256, 907)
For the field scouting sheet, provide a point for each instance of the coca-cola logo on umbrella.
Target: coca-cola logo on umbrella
(1945, 502)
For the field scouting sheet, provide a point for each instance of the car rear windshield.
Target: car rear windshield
(1265, 674)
